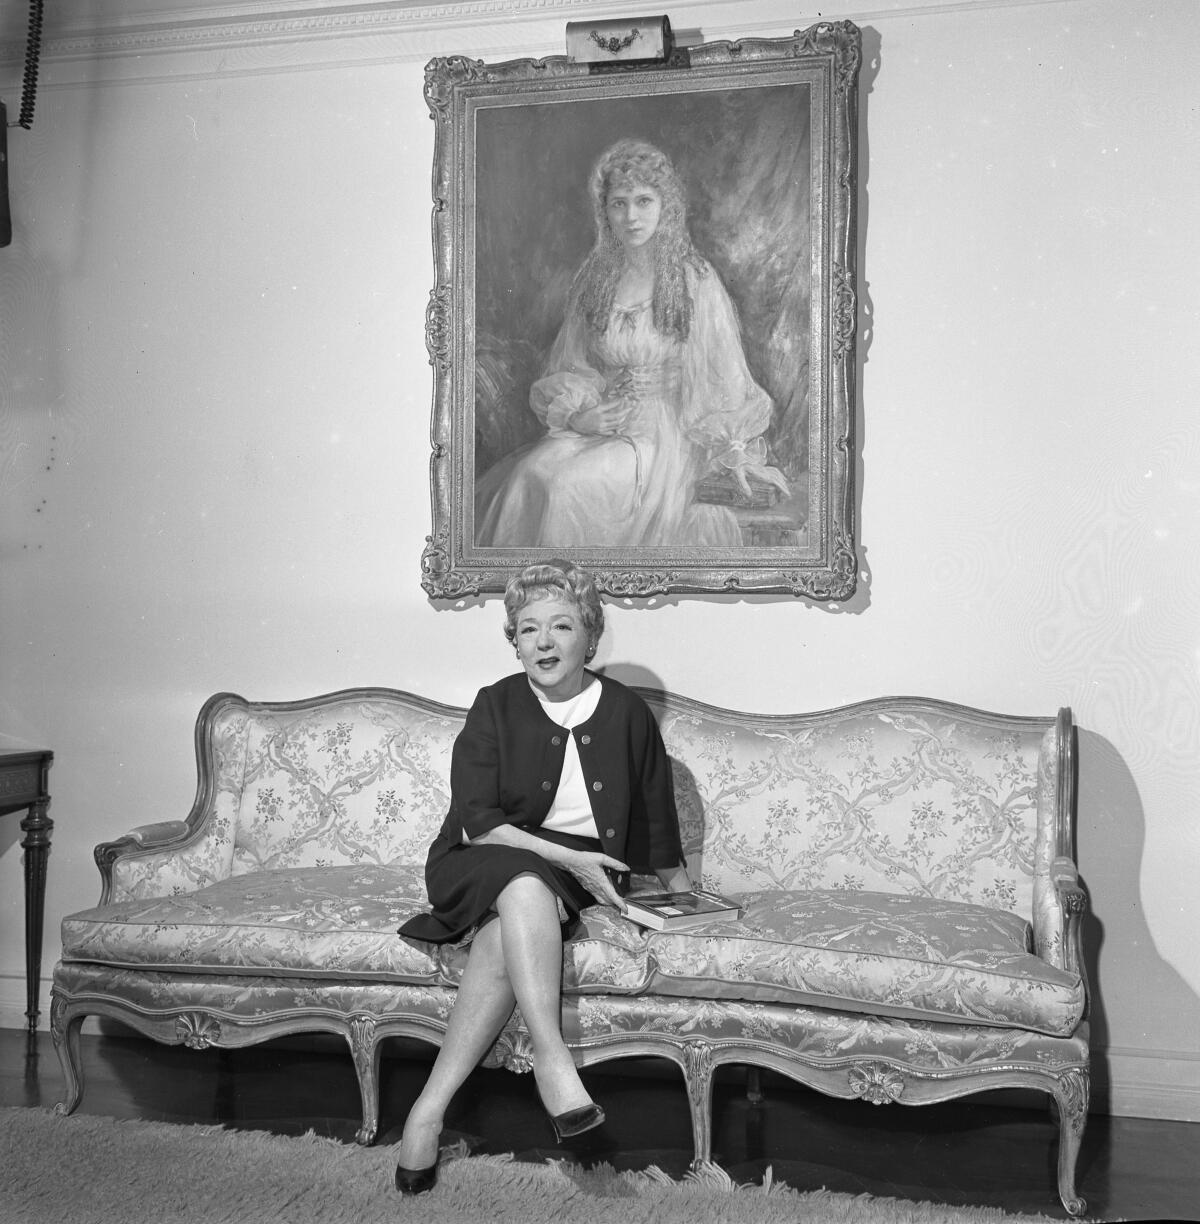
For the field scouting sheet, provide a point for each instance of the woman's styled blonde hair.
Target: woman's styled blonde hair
(554, 579)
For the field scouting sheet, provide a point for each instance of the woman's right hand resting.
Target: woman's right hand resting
(587, 866)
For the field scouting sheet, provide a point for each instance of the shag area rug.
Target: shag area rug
(88, 1170)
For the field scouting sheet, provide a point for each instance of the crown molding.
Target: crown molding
(150, 39)
(221, 26)
(145, 29)
(245, 38)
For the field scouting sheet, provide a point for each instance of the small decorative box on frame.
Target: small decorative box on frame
(618, 40)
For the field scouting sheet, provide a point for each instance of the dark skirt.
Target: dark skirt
(463, 882)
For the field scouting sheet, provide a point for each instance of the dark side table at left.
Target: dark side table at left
(23, 787)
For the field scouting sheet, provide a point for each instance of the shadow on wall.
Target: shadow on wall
(10, 835)
(687, 793)
(1110, 842)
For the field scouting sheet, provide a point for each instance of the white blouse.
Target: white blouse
(571, 811)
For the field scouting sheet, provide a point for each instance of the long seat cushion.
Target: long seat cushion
(334, 922)
(889, 954)
(882, 953)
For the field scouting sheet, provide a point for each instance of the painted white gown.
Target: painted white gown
(694, 408)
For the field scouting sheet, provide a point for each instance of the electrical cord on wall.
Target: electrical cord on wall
(33, 50)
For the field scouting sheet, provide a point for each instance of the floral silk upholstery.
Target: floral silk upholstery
(920, 800)
(364, 784)
(892, 857)
(884, 953)
(887, 953)
(820, 1034)
(335, 922)
(589, 1020)
(324, 922)
(360, 781)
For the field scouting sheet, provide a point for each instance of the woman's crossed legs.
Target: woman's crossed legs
(515, 959)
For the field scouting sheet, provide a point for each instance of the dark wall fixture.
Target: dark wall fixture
(33, 46)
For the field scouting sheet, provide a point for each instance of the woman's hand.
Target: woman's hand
(603, 419)
(587, 866)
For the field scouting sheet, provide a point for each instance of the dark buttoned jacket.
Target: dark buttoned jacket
(508, 759)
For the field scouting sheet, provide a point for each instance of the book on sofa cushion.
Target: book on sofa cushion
(675, 911)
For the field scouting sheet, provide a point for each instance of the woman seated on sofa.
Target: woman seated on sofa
(560, 783)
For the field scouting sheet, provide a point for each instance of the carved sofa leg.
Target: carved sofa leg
(365, 1049)
(1071, 1096)
(66, 1043)
(697, 1068)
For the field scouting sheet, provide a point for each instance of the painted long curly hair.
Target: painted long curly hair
(624, 164)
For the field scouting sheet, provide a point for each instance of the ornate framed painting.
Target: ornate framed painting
(642, 326)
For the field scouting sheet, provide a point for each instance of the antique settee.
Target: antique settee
(911, 924)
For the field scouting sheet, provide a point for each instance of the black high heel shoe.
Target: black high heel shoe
(576, 1121)
(416, 1181)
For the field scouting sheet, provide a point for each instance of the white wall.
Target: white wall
(214, 407)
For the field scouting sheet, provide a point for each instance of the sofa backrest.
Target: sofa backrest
(354, 777)
(901, 795)
(898, 795)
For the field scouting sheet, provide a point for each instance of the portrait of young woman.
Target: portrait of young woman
(640, 341)
(645, 391)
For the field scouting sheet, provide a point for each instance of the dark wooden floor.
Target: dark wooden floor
(971, 1153)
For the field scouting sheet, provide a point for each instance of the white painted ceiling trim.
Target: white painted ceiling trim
(113, 40)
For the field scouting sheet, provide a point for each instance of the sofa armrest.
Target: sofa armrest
(148, 837)
(173, 856)
(153, 836)
(1064, 876)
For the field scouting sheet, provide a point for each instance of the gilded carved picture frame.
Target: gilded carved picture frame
(642, 326)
